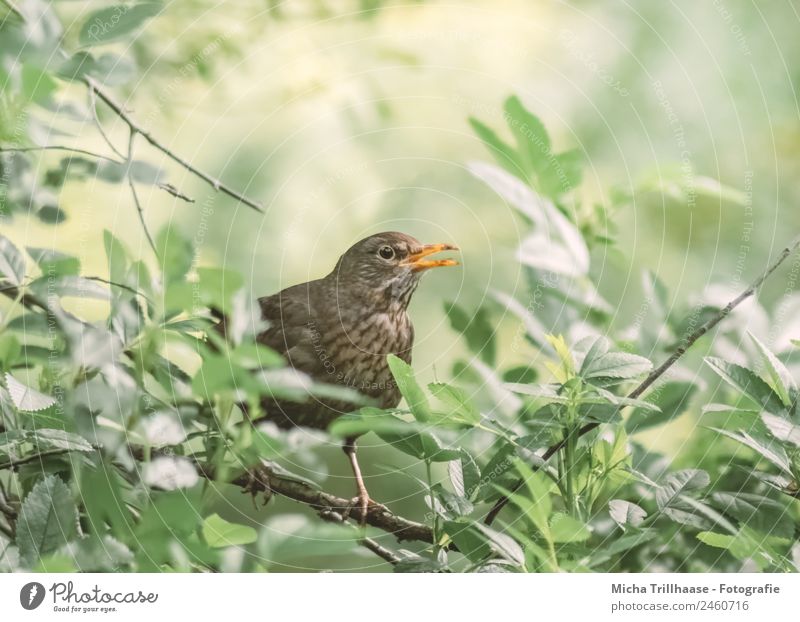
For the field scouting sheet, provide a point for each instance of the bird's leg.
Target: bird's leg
(363, 499)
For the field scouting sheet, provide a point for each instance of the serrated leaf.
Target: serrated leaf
(462, 410)
(782, 429)
(616, 365)
(220, 533)
(679, 483)
(626, 512)
(25, 398)
(505, 154)
(778, 377)
(50, 438)
(747, 383)
(774, 454)
(46, 520)
(532, 138)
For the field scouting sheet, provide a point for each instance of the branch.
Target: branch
(92, 154)
(661, 369)
(265, 480)
(140, 211)
(134, 126)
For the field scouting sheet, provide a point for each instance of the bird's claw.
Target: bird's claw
(258, 482)
(363, 506)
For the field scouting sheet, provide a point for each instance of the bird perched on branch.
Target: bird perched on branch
(339, 330)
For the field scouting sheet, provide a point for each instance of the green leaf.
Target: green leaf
(470, 542)
(93, 554)
(619, 365)
(565, 529)
(220, 533)
(760, 513)
(672, 398)
(47, 519)
(777, 376)
(782, 429)
(771, 452)
(12, 263)
(679, 483)
(505, 154)
(69, 286)
(747, 383)
(176, 254)
(412, 392)
(420, 445)
(49, 438)
(461, 408)
(626, 512)
(476, 328)
(502, 544)
(530, 133)
(563, 173)
(55, 263)
(115, 22)
(25, 398)
(107, 69)
(37, 84)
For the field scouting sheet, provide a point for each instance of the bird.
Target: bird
(340, 329)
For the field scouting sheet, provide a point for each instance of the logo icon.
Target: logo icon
(31, 595)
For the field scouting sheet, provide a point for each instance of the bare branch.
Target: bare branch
(92, 154)
(377, 516)
(99, 125)
(215, 183)
(170, 189)
(134, 194)
(671, 360)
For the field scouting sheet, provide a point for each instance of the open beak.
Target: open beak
(417, 260)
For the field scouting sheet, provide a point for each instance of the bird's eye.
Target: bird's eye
(387, 252)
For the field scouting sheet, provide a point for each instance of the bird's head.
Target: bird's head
(387, 266)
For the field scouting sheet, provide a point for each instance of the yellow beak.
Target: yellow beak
(418, 262)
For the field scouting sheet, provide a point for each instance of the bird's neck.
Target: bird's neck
(391, 298)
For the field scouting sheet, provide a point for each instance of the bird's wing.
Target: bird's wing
(292, 327)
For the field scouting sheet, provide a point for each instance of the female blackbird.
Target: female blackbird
(339, 330)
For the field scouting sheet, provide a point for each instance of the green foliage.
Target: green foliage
(118, 435)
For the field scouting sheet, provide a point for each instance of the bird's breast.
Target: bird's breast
(357, 351)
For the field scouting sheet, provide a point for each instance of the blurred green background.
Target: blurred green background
(348, 118)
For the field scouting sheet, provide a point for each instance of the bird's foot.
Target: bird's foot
(361, 506)
(258, 482)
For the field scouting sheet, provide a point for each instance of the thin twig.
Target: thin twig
(15, 464)
(669, 362)
(170, 189)
(215, 183)
(132, 290)
(92, 154)
(129, 166)
(99, 125)
(368, 543)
